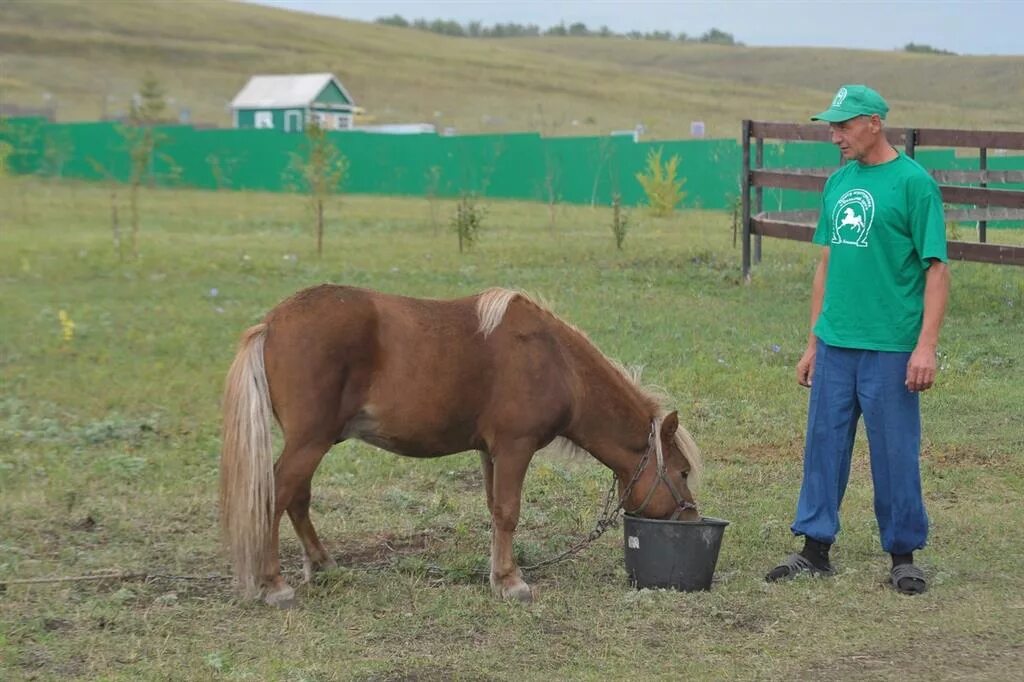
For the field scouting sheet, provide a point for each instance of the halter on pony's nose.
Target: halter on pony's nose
(683, 507)
(654, 442)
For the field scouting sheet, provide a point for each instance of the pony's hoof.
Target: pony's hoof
(282, 598)
(520, 593)
(311, 568)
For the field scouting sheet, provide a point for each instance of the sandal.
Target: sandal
(794, 564)
(908, 579)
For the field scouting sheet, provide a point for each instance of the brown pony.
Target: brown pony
(496, 372)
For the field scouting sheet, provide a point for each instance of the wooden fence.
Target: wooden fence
(974, 199)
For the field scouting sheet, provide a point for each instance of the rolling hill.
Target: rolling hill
(90, 57)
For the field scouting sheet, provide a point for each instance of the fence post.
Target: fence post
(983, 164)
(745, 195)
(758, 196)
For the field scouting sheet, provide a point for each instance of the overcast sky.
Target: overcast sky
(965, 26)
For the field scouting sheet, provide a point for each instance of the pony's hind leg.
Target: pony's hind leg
(293, 470)
(510, 463)
(314, 557)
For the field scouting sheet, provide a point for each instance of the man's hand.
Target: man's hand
(805, 368)
(921, 369)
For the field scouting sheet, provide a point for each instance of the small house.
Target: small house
(289, 102)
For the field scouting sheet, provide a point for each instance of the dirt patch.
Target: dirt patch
(56, 624)
(468, 479)
(949, 456)
(764, 452)
(768, 452)
(37, 663)
(383, 547)
(86, 524)
(971, 657)
(963, 455)
(422, 674)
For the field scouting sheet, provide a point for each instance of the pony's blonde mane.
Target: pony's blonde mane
(491, 306)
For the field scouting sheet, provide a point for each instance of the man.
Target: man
(877, 304)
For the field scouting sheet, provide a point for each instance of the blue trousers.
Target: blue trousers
(846, 384)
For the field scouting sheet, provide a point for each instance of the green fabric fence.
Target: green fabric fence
(526, 166)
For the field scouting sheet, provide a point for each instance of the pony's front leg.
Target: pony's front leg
(510, 465)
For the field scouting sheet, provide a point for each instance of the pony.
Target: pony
(496, 372)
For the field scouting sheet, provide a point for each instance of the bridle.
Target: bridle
(654, 445)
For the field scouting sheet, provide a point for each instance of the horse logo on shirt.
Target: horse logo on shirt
(852, 217)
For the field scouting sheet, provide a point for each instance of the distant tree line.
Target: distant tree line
(476, 29)
(925, 49)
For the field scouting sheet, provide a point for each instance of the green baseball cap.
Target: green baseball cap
(852, 101)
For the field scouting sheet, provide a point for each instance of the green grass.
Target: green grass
(109, 447)
(203, 52)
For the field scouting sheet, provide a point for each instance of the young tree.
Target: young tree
(620, 221)
(468, 221)
(147, 111)
(115, 223)
(150, 105)
(552, 185)
(321, 170)
(21, 141)
(663, 188)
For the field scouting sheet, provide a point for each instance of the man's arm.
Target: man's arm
(805, 368)
(921, 368)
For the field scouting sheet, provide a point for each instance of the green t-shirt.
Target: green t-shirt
(881, 223)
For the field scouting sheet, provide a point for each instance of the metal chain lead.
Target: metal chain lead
(608, 518)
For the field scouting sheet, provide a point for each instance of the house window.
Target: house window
(331, 121)
(263, 119)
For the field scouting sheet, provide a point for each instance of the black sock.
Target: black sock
(816, 552)
(898, 559)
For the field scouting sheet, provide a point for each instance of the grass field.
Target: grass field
(90, 58)
(109, 439)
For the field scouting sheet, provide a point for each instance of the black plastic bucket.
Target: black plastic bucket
(678, 555)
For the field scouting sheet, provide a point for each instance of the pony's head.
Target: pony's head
(668, 473)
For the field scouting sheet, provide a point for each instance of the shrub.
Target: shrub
(664, 190)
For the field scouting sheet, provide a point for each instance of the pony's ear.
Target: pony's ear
(669, 425)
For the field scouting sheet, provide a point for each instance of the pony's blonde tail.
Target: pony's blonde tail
(246, 469)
